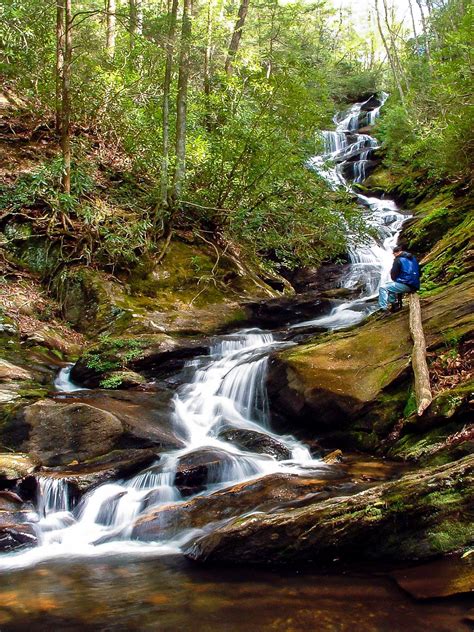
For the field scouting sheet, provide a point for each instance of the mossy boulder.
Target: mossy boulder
(420, 516)
(117, 362)
(358, 381)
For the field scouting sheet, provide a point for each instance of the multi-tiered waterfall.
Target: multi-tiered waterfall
(226, 391)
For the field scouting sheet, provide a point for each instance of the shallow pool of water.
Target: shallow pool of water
(170, 594)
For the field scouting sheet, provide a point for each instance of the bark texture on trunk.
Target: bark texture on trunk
(166, 105)
(59, 60)
(418, 358)
(66, 99)
(111, 18)
(181, 104)
(236, 35)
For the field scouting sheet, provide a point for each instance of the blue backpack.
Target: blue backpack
(410, 272)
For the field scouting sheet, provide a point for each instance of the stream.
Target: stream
(91, 571)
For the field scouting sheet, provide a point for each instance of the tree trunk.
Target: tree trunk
(208, 53)
(425, 32)
(396, 78)
(236, 35)
(389, 20)
(66, 99)
(181, 106)
(166, 104)
(136, 20)
(110, 43)
(418, 358)
(59, 59)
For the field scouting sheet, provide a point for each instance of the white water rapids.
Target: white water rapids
(227, 390)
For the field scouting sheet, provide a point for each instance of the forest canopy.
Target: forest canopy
(202, 116)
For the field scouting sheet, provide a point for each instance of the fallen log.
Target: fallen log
(418, 357)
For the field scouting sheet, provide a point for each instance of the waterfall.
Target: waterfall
(370, 261)
(226, 391)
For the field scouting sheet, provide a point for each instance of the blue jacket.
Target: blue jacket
(406, 270)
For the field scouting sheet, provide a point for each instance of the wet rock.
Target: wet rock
(263, 494)
(127, 357)
(353, 386)
(254, 441)
(371, 103)
(322, 279)
(79, 428)
(14, 466)
(115, 465)
(14, 537)
(419, 516)
(285, 311)
(453, 575)
(145, 416)
(60, 433)
(201, 467)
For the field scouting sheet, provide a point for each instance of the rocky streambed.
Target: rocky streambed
(290, 441)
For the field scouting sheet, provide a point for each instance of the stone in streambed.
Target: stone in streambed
(118, 464)
(254, 441)
(60, 433)
(14, 537)
(263, 494)
(420, 516)
(196, 469)
(285, 311)
(453, 575)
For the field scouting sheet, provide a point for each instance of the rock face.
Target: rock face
(254, 441)
(419, 516)
(359, 381)
(60, 433)
(119, 357)
(263, 494)
(285, 311)
(93, 425)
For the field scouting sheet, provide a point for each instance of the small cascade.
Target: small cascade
(53, 496)
(372, 260)
(63, 382)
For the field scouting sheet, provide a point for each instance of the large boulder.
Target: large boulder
(263, 494)
(126, 357)
(420, 516)
(77, 429)
(61, 433)
(285, 311)
(254, 441)
(358, 381)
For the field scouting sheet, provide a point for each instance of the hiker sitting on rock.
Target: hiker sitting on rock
(405, 275)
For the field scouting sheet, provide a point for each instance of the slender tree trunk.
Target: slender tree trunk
(208, 53)
(389, 20)
(136, 20)
(236, 35)
(66, 99)
(59, 59)
(110, 43)
(181, 105)
(396, 77)
(166, 104)
(418, 358)
(425, 32)
(413, 24)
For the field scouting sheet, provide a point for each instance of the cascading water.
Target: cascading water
(227, 391)
(346, 151)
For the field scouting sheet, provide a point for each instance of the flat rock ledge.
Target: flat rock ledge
(420, 516)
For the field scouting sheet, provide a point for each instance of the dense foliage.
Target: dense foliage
(429, 126)
(250, 124)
